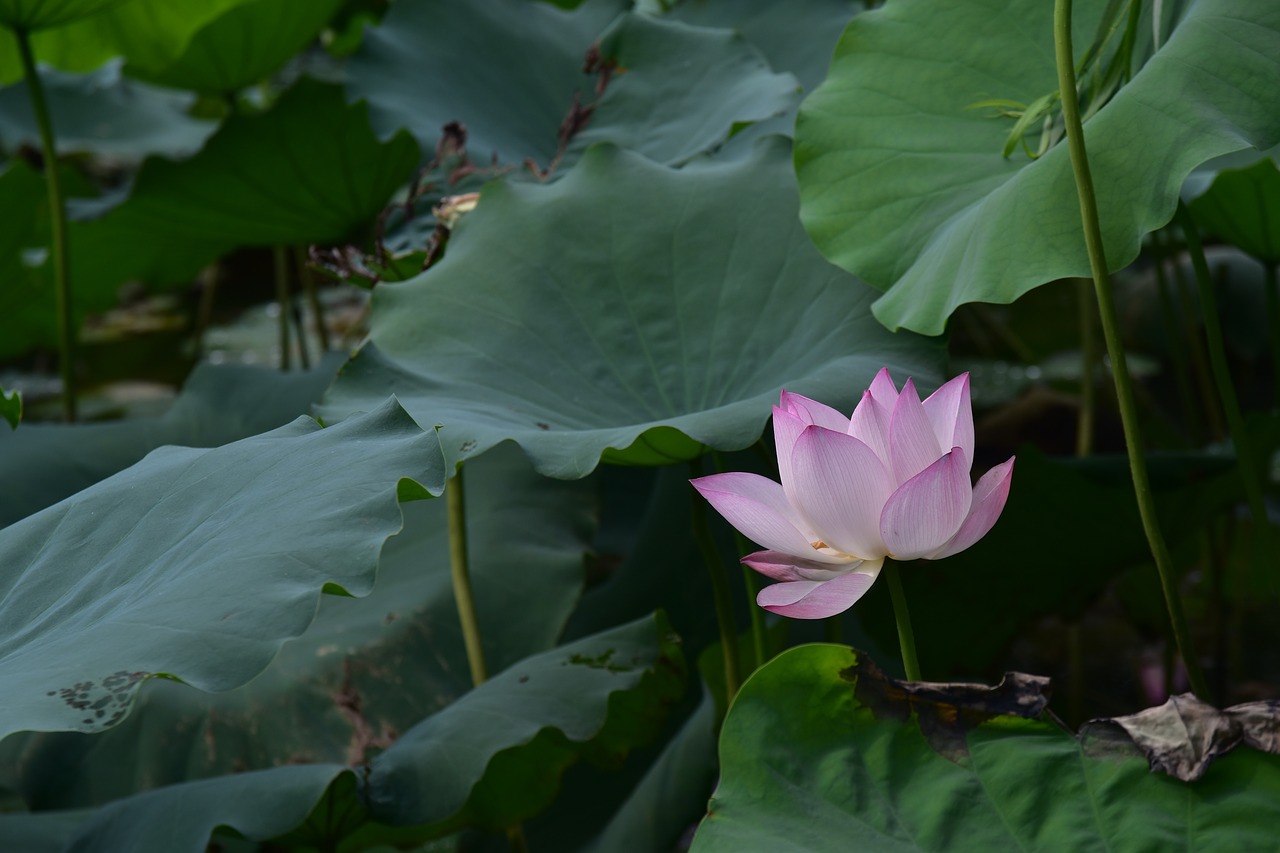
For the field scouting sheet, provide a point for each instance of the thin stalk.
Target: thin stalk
(1111, 331)
(906, 636)
(750, 582)
(719, 589)
(308, 279)
(1199, 361)
(1087, 415)
(1221, 372)
(1173, 328)
(208, 280)
(1273, 324)
(455, 500)
(282, 296)
(58, 226)
(299, 327)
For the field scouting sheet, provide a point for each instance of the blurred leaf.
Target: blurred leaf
(218, 405)
(152, 32)
(667, 324)
(11, 409)
(507, 69)
(366, 669)
(798, 37)
(507, 742)
(806, 765)
(196, 564)
(41, 14)
(904, 184)
(105, 113)
(42, 832)
(1243, 207)
(241, 47)
(681, 90)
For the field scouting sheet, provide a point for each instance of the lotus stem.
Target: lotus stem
(719, 590)
(751, 583)
(308, 279)
(1273, 324)
(455, 500)
(58, 226)
(1173, 328)
(1221, 372)
(282, 296)
(901, 615)
(1087, 416)
(1115, 348)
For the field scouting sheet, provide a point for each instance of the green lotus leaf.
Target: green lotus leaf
(902, 177)
(1242, 206)
(32, 15)
(506, 743)
(808, 765)
(219, 404)
(663, 326)
(339, 692)
(241, 47)
(152, 32)
(106, 114)
(196, 564)
(507, 69)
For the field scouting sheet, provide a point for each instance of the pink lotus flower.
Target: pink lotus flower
(892, 481)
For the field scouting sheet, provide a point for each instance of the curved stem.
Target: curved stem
(719, 590)
(1088, 362)
(58, 226)
(1111, 331)
(308, 279)
(1221, 372)
(906, 636)
(456, 504)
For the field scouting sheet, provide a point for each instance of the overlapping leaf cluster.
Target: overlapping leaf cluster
(251, 637)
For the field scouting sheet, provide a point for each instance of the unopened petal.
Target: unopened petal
(788, 567)
(815, 599)
(870, 425)
(883, 389)
(757, 507)
(841, 487)
(912, 445)
(989, 497)
(813, 412)
(927, 510)
(951, 415)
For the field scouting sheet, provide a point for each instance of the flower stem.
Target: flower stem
(1111, 331)
(750, 582)
(719, 589)
(456, 504)
(58, 226)
(1221, 372)
(282, 297)
(308, 279)
(1088, 362)
(906, 636)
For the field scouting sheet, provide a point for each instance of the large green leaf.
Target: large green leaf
(41, 14)
(219, 404)
(106, 114)
(507, 743)
(366, 669)
(798, 37)
(1242, 206)
(661, 326)
(507, 69)
(196, 564)
(152, 32)
(243, 46)
(902, 179)
(683, 90)
(807, 765)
